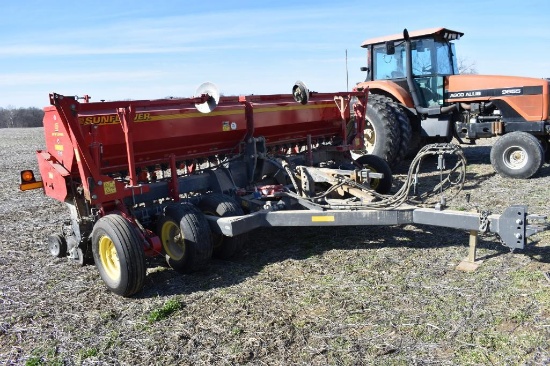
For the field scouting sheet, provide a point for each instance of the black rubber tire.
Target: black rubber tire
(118, 254)
(184, 226)
(545, 144)
(57, 245)
(377, 165)
(405, 128)
(517, 155)
(221, 205)
(382, 136)
(417, 142)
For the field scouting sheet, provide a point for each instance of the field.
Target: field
(338, 296)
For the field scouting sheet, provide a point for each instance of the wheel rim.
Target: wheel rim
(54, 248)
(515, 157)
(370, 137)
(373, 182)
(109, 258)
(172, 240)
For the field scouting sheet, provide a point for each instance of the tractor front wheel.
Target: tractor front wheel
(118, 254)
(517, 155)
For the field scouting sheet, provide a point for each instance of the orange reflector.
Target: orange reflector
(28, 181)
(27, 176)
(31, 185)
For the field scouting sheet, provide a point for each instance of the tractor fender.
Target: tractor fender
(388, 88)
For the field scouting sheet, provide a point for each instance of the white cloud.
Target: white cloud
(28, 79)
(145, 52)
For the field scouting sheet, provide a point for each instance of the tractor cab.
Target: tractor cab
(432, 56)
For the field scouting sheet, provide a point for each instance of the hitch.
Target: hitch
(514, 226)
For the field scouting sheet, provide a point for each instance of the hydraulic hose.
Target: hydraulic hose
(453, 179)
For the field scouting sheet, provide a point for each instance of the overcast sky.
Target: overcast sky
(153, 49)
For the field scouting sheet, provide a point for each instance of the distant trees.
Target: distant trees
(21, 117)
(466, 66)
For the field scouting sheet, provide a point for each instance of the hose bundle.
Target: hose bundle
(450, 180)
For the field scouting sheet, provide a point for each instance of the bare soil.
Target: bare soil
(340, 296)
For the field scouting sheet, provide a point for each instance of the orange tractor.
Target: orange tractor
(418, 97)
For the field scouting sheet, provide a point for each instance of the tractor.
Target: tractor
(418, 97)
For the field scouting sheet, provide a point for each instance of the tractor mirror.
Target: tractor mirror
(390, 48)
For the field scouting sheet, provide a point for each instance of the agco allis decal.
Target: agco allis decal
(528, 90)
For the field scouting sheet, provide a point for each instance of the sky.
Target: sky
(120, 50)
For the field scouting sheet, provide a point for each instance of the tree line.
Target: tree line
(21, 117)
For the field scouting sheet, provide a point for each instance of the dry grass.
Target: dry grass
(343, 296)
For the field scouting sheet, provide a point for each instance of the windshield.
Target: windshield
(429, 57)
(433, 58)
(389, 66)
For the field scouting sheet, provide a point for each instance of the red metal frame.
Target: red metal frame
(85, 143)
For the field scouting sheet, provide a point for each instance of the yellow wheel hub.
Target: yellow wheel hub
(173, 241)
(370, 138)
(373, 182)
(109, 258)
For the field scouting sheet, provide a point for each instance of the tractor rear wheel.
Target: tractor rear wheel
(377, 165)
(118, 254)
(381, 131)
(517, 155)
(185, 236)
(221, 205)
(404, 132)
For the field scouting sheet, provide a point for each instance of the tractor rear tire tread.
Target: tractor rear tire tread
(386, 129)
(405, 128)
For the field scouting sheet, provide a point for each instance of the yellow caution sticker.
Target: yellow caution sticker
(322, 218)
(109, 187)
